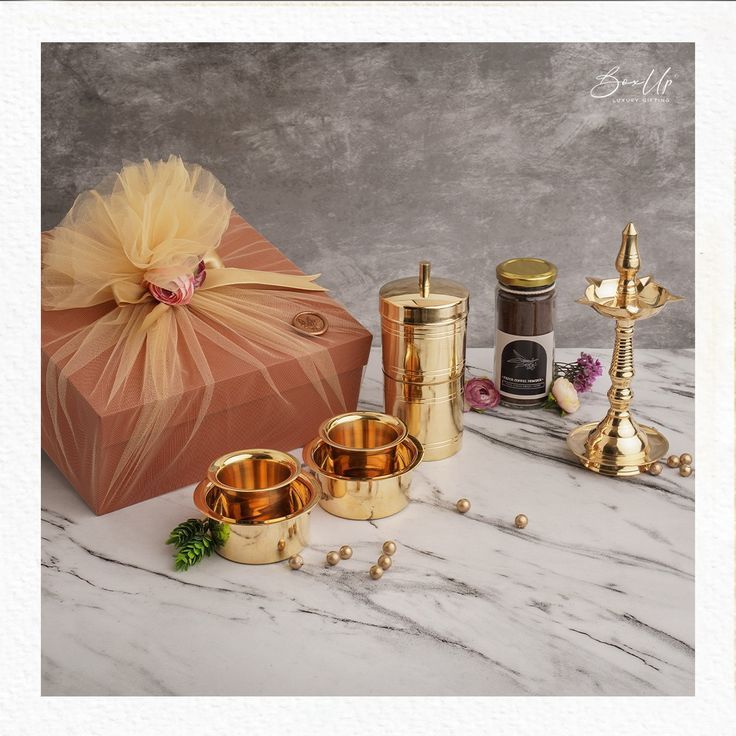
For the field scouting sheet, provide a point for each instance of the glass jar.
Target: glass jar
(525, 337)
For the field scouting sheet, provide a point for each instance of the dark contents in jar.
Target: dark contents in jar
(524, 367)
(525, 315)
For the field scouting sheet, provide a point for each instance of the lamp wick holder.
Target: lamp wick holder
(618, 445)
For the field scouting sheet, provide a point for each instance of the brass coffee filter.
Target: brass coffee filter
(290, 501)
(423, 324)
(247, 471)
(259, 534)
(378, 488)
(363, 431)
(370, 467)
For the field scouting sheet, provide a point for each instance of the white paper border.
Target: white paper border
(712, 26)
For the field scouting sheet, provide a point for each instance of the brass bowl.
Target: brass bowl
(262, 525)
(378, 489)
(260, 474)
(362, 434)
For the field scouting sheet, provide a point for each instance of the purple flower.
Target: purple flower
(480, 394)
(587, 370)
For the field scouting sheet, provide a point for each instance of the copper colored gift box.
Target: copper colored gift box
(244, 410)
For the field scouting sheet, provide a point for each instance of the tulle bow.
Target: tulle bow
(145, 243)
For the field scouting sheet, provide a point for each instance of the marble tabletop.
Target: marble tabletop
(595, 596)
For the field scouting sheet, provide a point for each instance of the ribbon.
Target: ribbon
(144, 242)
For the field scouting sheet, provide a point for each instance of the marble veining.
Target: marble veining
(595, 596)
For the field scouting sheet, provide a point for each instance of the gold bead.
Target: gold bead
(384, 561)
(346, 552)
(520, 521)
(376, 572)
(463, 505)
(673, 461)
(333, 558)
(295, 562)
(655, 468)
(686, 459)
(389, 548)
(686, 470)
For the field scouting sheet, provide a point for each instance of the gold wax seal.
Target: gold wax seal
(310, 323)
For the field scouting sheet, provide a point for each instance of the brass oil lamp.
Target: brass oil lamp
(618, 445)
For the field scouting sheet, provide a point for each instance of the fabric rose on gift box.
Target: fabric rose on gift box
(480, 394)
(179, 290)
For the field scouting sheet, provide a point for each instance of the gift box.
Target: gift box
(195, 342)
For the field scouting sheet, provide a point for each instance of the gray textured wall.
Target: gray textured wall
(358, 160)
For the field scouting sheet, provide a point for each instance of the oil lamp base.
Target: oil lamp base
(617, 465)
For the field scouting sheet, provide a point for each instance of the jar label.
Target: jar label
(523, 364)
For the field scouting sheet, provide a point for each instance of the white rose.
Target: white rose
(565, 395)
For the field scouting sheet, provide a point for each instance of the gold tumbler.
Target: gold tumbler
(263, 500)
(367, 431)
(423, 326)
(378, 489)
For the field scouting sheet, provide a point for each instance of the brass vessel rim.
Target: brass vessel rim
(413, 442)
(443, 293)
(386, 419)
(284, 458)
(204, 487)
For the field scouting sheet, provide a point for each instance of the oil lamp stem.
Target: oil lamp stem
(622, 370)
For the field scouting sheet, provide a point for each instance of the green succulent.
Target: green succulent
(219, 532)
(192, 552)
(187, 530)
(195, 539)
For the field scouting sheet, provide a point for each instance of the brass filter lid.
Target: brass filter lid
(424, 300)
(526, 273)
